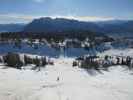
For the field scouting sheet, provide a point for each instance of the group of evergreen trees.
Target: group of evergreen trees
(97, 63)
(36, 61)
(80, 35)
(14, 60)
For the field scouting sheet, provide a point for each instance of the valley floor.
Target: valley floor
(63, 82)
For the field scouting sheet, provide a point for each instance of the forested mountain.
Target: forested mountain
(62, 25)
(117, 27)
(112, 27)
(59, 25)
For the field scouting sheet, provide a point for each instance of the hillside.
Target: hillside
(73, 83)
(117, 27)
(59, 25)
(11, 27)
(112, 27)
(62, 25)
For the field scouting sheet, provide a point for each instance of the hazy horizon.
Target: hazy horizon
(24, 11)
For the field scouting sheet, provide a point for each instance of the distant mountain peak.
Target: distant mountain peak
(18, 27)
(47, 24)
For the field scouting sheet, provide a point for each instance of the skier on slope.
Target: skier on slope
(58, 78)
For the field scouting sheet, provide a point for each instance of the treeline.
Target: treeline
(98, 63)
(57, 36)
(18, 61)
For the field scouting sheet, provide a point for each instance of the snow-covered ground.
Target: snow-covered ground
(64, 82)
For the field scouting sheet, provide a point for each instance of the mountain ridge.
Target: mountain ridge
(12, 27)
(57, 25)
(111, 27)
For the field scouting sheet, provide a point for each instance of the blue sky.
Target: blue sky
(14, 11)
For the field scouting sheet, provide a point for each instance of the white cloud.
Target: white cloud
(94, 18)
(15, 18)
(85, 18)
